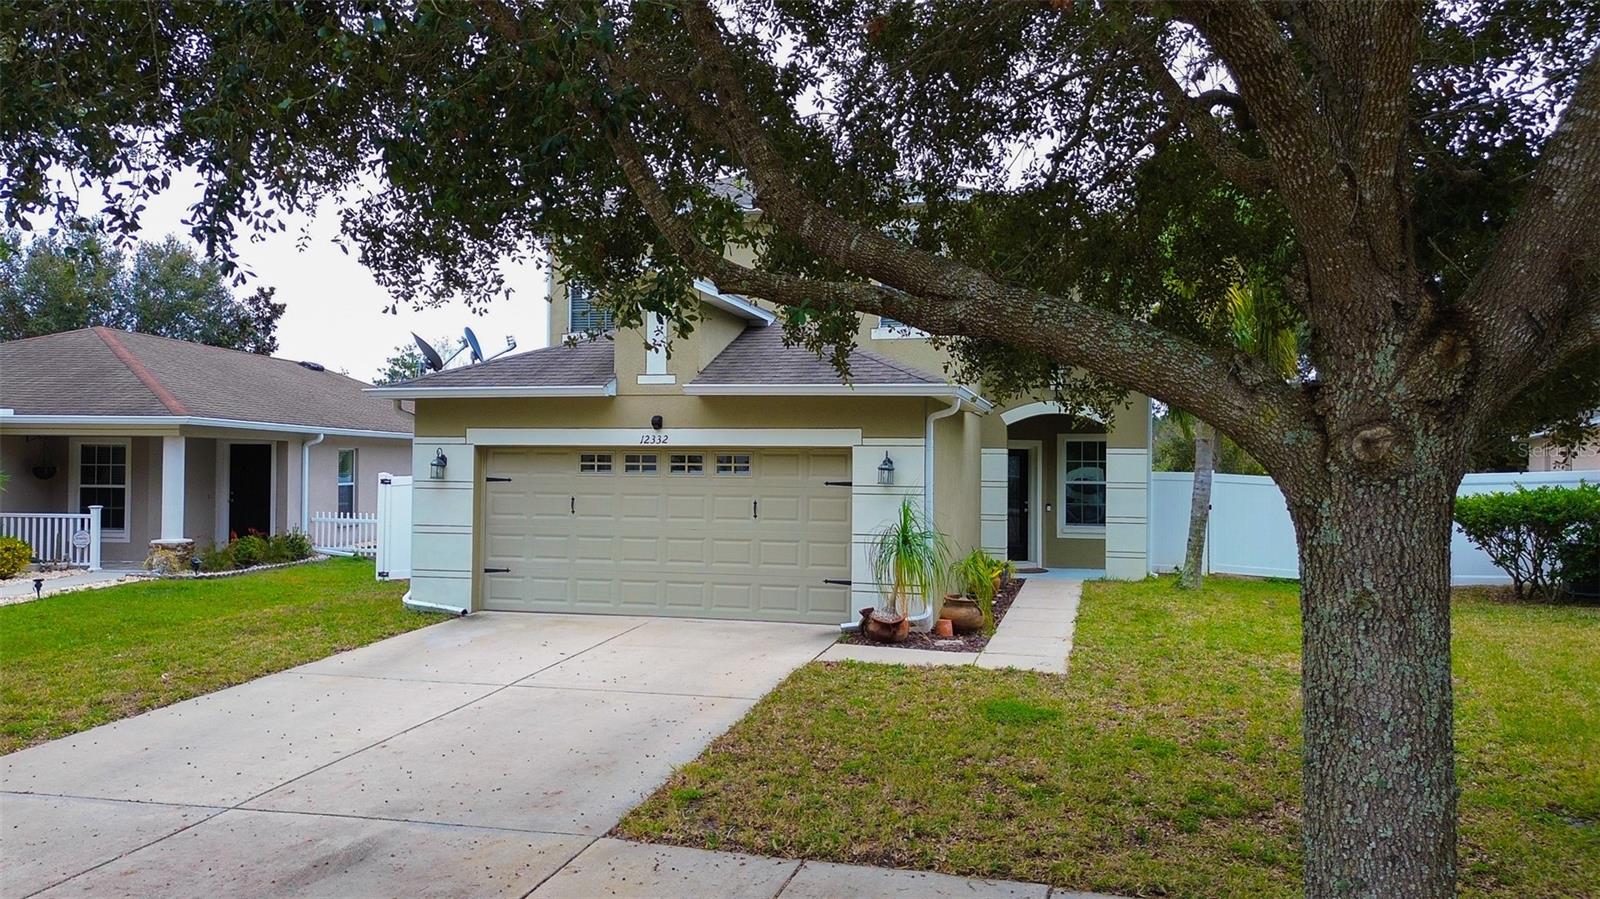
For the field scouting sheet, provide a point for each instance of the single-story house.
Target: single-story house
(177, 440)
(736, 477)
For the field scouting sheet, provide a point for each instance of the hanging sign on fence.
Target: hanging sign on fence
(80, 539)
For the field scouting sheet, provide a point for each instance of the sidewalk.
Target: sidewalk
(610, 867)
(1034, 635)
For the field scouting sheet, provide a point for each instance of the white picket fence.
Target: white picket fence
(70, 538)
(346, 534)
(1250, 531)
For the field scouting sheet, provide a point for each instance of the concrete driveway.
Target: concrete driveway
(473, 758)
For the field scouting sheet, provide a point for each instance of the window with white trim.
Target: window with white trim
(1082, 466)
(638, 463)
(733, 463)
(686, 463)
(583, 316)
(103, 481)
(594, 463)
(347, 481)
(889, 328)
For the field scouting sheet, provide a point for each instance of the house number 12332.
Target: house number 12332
(652, 438)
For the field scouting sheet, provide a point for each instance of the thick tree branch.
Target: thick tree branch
(944, 297)
(1195, 114)
(1540, 288)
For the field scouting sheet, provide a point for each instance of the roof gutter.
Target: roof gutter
(172, 421)
(494, 392)
(950, 391)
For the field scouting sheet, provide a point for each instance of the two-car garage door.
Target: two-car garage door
(721, 533)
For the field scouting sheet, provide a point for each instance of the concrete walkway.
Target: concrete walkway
(1034, 635)
(483, 756)
(20, 588)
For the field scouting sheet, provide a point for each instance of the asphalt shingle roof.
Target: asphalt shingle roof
(102, 371)
(759, 356)
(588, 363)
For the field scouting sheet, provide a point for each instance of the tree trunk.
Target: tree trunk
(1380, 808)
(1192, 574)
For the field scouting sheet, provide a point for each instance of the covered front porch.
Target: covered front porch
(146, 484)
(1069, 493)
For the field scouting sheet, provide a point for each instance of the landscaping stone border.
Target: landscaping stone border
(234, 572)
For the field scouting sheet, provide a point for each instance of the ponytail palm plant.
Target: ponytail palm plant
(909, 558)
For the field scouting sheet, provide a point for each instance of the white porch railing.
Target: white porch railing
(70, 538)
(350, 534)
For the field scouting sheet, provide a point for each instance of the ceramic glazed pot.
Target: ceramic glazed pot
(964, 614)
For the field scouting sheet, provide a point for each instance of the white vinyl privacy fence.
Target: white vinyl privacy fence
(1250, 531)
(394, 526)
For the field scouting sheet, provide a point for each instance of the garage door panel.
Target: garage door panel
(659, 543)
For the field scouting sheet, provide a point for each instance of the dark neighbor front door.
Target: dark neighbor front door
(1017, 542)
(249, 488)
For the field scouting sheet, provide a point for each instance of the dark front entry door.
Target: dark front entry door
(249, 488)
(1017, 542)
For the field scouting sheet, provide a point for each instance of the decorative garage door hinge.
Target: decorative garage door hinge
(494, 480)
(833, 580)
(497, 571)
(838, 483)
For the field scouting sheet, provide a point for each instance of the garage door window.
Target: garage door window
(594, 463)
(639, 463)
(686, 463)
(733, 463)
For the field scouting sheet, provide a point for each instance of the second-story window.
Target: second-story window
(583, 315)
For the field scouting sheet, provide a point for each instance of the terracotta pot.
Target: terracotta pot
(944, 628)
(884, 627)
(964, 614)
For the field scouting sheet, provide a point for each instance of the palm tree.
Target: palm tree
(1259, 323)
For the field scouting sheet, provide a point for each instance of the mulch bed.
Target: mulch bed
(960, 642)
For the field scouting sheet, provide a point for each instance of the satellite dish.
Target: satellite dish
(473, 345)
(430, 356)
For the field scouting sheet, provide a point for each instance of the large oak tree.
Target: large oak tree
(1423, 180)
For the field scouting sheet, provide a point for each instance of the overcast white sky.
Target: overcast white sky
(334, 308)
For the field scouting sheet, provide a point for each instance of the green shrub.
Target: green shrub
(248, 550)
(217, 558)
(1543, 538)
(290, 547)
(14, 556)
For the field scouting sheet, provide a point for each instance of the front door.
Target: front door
(249, 488)
(1017, 510)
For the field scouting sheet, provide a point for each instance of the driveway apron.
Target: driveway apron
(475, 757)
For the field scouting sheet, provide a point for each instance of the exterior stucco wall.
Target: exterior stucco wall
(875, 416)
(1544, 457)
(200, 490)
(24, 492)
(372, 456)
(957, 479)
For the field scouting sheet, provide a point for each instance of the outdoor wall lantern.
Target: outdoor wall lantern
(436, 467)
(886, 471)
(655, 422)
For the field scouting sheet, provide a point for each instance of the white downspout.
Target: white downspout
(305, 483)
(924, 621)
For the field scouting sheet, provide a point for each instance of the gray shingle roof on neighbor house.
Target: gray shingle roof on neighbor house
(588, 363)
(758, 356)
(106, 372)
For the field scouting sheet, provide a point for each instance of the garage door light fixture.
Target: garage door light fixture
(436, 467)
(886, 471)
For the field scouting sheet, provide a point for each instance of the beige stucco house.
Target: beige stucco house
(735, 477)
(1543, 456)
(177, 440)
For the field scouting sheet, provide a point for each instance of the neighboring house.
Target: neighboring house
(740, 478)
(180, 440)
(1542, 456)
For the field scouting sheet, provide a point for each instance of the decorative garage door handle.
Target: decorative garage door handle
(755, 508)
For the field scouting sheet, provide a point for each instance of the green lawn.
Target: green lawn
(1165, 764)
(70, 662)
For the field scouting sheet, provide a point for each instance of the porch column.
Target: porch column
(172, 482)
